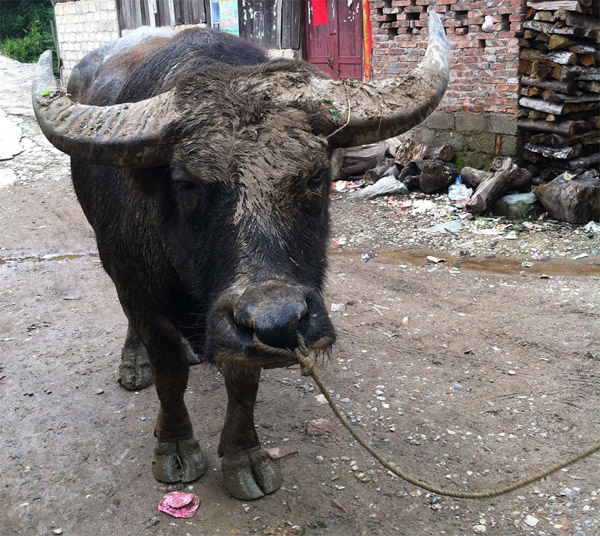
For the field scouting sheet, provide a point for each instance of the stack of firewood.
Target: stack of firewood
(560, 79)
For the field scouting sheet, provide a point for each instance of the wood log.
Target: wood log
(474, 177)
(556, 140)
(575, 19)
(575, 72)
(541, 105)
(551, 96)
(587, 60)
(509, 177)
(410, 150)
(536, 116)
(585, 162)
(550, 29)
(552, 5)
(571, 199)
(555, 85)
(578, 48)
(559, 41)
(371, 176)
(354, 161)
(564, 153)
(561, 57)
(594, 87)
(437, 175)
(545, 16)
(566, 128)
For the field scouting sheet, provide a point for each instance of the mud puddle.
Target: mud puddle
(588, 266)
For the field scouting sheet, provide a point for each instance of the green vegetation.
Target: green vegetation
(25, 29)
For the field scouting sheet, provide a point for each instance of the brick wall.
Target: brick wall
(484, 87)
(82, 27)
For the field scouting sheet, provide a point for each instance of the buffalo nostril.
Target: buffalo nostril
(274, 322)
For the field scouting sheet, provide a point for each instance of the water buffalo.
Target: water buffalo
(203, 169)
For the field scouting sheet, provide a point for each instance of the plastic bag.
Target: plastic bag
(458, 191)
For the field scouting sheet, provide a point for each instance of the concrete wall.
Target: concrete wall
(478, 113)
(82, 27)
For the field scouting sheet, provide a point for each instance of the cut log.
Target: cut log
(552, 5)
(555, 140)
(380, 170)
(594, 87)
(508, 178)
(554, 85)
(559, 41)
(557, 108)
(551, 96)
(585, 162)
(575, 72)
(410, 150)
(587, 60)
(551, 29)
(545, 16)
(571, 199)
(541, 105)
(561, 57)
(564, 153)
(354, 161)
(474, 177)
(575, 19)
(566, 128)
(437, 175)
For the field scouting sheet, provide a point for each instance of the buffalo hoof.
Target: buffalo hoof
(134, 371)
(250, 474)
(178, 461)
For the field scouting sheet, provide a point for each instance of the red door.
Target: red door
(334, 37)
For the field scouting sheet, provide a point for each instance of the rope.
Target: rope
(307, 363)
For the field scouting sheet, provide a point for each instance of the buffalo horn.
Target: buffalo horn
(131, 134)
(352, 113)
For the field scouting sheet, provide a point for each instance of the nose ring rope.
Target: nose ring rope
(302, 354)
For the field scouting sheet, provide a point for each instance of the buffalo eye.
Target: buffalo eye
(188, 193)
(182, 181)
(317, 181)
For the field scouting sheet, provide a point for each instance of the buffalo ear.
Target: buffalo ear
(121, 135)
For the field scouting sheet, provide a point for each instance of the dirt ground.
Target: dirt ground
(468, 373)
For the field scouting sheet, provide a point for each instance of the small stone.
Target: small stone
(99, 391)
(154, 521)
(479, 529)
(57, 531)
(531, 520)
(337, 504)
(276, 453)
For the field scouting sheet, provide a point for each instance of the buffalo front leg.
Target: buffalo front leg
(177, 456)
(134, 370)
(247, 470)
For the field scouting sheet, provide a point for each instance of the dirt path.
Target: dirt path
(467, 373)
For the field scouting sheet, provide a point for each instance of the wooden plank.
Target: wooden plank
(291, 24)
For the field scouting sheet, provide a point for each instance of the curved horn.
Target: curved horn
(119, 135)
(354, 113)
